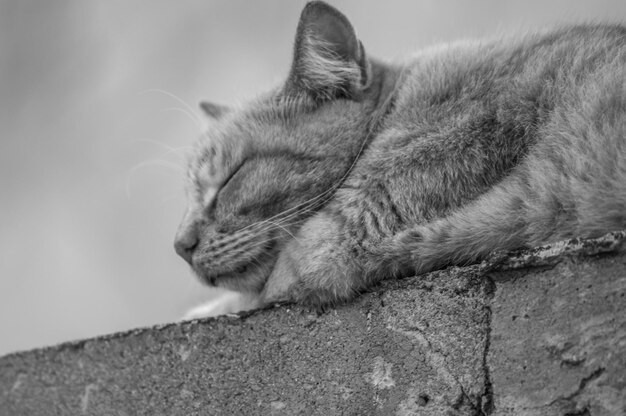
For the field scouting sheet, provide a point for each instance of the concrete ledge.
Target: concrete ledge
(464, 341)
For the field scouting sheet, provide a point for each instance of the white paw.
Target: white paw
(227, 303)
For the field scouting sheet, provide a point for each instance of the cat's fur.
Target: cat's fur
(357, 170)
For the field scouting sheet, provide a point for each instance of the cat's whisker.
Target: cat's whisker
(266, 225)
(289, 220)
(272, 221)
(196, 116)
(187, 114)
(284, 229)
(133, 171)
(269, 239)
(292, 211)
(261, 242)
(157, 162)
(297, 210)
(177, 151)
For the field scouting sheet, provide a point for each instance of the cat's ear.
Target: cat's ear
(215, 111)
(329, 61)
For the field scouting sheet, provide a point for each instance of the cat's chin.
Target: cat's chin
(247, 277)
(245, 273)
(249, 280)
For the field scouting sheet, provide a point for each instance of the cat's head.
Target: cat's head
(263, 168)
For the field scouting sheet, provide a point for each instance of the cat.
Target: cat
(356, 170)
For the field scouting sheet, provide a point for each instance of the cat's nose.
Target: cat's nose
(185, 243)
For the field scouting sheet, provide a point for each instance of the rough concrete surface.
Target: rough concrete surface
(540, 332)
(558, 338)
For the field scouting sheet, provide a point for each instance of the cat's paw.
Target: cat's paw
(319, 298)
(318, 267)
(312, 277)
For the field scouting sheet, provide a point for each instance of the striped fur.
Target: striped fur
(451, 154)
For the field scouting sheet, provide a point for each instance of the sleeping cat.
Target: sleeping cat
(356, 170)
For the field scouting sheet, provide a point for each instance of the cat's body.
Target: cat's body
(356, 171)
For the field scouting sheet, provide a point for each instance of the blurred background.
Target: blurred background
(94, 129)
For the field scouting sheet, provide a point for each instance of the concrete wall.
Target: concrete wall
(540, 332)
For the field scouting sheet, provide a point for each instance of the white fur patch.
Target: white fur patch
(229, 302)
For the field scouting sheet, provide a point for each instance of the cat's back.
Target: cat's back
(504, 90)
(534, 68)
